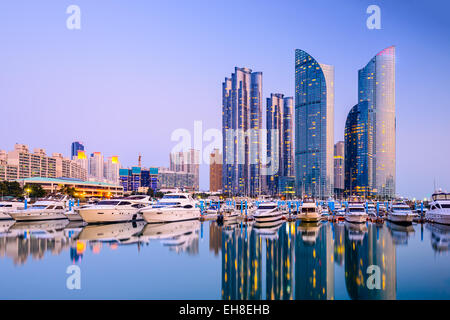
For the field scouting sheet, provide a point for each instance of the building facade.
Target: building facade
(215, 171)
(21, 164)
(188, 162)
(339, 168)
(241, 129)
(136, 179)
(370, 130)
(76, 146)
(111, 169)
(168, 179)
(314, 126)
(376, 86)
(279, 119)
(96, 163)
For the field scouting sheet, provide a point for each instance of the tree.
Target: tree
(150, 192)
(11, 188)
(70, 191)
(35, 191)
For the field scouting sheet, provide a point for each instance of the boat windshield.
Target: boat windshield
(174, 196)
(308, 209)
(108, 203)
(441, 196)
(165, 204)
(402, 208)
(356, 209)
(5, 205)
(39, 207)
(267, 207)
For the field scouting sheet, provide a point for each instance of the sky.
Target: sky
(137, 71)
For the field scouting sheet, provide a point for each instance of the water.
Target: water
(201, 260)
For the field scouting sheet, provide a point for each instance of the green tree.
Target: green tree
(70, 191)
(11, 188)
(35, 191)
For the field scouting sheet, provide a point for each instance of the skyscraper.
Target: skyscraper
(339, 165)
(314, 126)
(370, 130)
(279, 142)
(76, 146)
(111, 169)
(215, 171)
(376, 86)
(96, 166)
(241, 125)
(187, 161)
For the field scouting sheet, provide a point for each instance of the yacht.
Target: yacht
(172, 207)
(309, 211)
(371, 209)
(8, 206)
(439, 211)
(74, 214)
(115, 210)
(400, 212)
(47, 209)
(356, 212)
(267, 214)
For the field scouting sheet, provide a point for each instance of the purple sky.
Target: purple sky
(138, 70)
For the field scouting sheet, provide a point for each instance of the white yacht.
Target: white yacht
(356, 212)
(8, 206)
(439, 211)
(74, 214)
(115, 210)
(267, 214)
(47, 209)
(309, 211)
(400, 212)
(172, 207)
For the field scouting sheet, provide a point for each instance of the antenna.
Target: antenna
(139, 160)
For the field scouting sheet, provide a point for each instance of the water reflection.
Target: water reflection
(367, 245)
(287, 260)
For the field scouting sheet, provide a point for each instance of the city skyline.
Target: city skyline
(77, 62)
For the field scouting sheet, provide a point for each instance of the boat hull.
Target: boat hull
(109, 215)
(170, 215)
(403, 218)
(356, 218)
(37, 215)
(440, 217)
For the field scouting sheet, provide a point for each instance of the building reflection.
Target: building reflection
(367, 245)
(339, 246)
(241, 263)
(314, 262)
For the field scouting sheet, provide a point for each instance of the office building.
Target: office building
(188, 162)
(96, 163)
(111, 169)
(76, 146)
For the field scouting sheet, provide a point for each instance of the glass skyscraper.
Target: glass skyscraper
(279, 118)
(370, 130)
(241, 125)
(314, 126)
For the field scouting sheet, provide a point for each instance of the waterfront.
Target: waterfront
(202, 260)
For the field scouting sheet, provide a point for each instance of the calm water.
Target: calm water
(194, 260)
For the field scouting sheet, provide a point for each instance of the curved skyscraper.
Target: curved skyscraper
(314, 126)
(370, 129)
(376, 83)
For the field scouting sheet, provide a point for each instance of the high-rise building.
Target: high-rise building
(82, 160)
(96, 164)
(339, 171)
(358, 158)
(76, 146)
(168, 179)
(279, 119)
(370, 130)
(215, 171)
(376, 86)
(314, 126)
(21, 164)
(137, 178)
(187, 161)
(241, 129)
(111, 169)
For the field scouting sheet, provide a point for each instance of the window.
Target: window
(188, 206)
(108, 203)
(124, 203)
(59, 208)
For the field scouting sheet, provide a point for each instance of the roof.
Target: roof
(66, 181)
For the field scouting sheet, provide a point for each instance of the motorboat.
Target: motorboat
(115, 210)
(267, 214)
(46, 209)
(8, 206)
(356, 212)
(400, 212)
(309, 211)
(74, 214)
(172, 207)
(439, 211)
